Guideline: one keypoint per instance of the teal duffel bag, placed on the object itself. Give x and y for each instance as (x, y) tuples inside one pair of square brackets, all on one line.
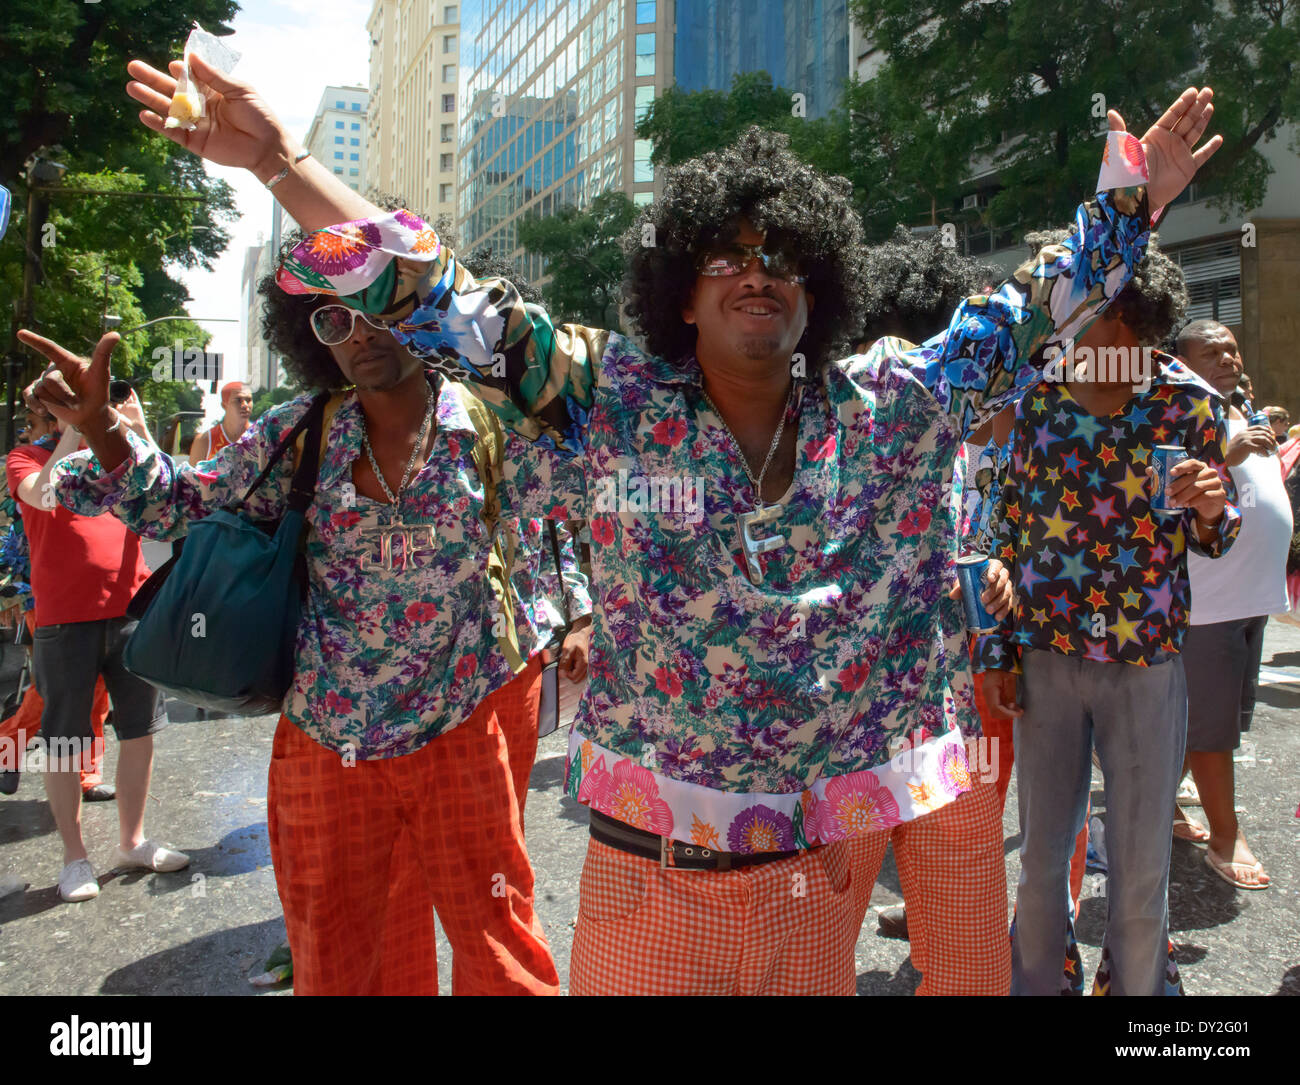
[(218, 622)]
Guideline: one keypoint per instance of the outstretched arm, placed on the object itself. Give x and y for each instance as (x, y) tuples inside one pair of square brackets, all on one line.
[(995, 346)]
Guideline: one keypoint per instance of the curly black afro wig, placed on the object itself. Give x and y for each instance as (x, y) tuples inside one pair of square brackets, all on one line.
[(285, 321), (757, 178), (915, 283), (1153, 302)]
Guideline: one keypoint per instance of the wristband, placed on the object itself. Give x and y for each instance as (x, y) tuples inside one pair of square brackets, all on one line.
[(285, 172)]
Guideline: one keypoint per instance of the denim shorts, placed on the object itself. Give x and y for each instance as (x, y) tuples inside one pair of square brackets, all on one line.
[(66, 660)]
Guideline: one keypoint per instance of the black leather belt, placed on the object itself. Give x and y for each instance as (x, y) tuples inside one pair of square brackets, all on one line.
[(674, 854)]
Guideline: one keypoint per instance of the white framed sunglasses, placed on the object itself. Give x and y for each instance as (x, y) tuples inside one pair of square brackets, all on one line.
[(333, 324)]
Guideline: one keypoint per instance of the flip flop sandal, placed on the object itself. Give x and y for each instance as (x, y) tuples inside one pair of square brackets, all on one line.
[(1189, 829), (1221, 869)]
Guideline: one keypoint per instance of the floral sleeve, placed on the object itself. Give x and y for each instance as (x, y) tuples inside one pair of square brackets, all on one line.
[(158, 497)]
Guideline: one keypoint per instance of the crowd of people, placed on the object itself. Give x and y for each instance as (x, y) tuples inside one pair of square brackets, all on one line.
[(780, 684)]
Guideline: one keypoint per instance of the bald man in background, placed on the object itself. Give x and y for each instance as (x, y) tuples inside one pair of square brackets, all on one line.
[(237, 401)]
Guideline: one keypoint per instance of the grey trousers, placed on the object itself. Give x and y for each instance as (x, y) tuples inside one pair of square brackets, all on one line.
[(1137, 718)]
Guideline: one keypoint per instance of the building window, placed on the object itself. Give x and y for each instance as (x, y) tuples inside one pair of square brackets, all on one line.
[(447, 136), (355, 157), (449, 43), (449, 13), (645, 11), (338, 124), (444, 161), (444, 193), (340, 105), (1213, 273), (353, 173), (338, 140), (338, 155), (643, 198), (449, 103), (644, 96), (643, 171), (338, 170), (356, 127), (449, 73), (355, 142), (356, 107), (645, 54)]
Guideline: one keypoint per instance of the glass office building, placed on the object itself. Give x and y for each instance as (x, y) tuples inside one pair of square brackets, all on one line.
[(550, 92), (802, 44)]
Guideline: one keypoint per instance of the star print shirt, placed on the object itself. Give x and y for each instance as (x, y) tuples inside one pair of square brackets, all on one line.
[(825, 700), (1098, 572), (386, 658)]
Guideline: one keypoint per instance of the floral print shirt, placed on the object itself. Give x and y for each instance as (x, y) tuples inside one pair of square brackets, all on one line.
[(386, 659), (827, 700), (1098, 572), (541, 595)]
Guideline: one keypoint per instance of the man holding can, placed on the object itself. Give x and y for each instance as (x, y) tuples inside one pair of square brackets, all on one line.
[(1101, 613)]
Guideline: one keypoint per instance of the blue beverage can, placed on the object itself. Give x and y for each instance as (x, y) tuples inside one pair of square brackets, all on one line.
[(1260, 418), (971, 571), (1164, 459)]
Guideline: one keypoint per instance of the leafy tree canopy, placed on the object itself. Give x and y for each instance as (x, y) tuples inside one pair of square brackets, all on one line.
[(584, 258)]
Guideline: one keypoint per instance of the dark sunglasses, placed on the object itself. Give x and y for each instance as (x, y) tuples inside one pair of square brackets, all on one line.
[(732, 259), (333, 324)]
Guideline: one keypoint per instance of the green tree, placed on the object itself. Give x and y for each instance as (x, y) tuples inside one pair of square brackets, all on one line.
[(63, 70), (1016, 93), (583, 257), (62, 73), (267, 398)]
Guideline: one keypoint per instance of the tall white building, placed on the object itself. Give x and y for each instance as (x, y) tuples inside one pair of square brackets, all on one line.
[(414, 103), (337, 137)]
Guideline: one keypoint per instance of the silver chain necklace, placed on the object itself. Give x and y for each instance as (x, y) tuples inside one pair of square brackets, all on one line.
[(415, 450), (750, 546)]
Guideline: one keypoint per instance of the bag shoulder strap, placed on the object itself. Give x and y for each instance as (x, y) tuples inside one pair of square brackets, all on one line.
[(304, 477), (332, 406), (488, 454)]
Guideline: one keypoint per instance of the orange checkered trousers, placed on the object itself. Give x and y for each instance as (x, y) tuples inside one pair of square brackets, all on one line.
[(782, 928), (364, 853)]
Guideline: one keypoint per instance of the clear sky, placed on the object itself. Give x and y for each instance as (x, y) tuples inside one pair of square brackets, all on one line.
[(291, 50)]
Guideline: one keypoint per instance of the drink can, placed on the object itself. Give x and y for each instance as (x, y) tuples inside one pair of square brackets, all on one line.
[(1260, 418), (1164, 458), (971, 571)]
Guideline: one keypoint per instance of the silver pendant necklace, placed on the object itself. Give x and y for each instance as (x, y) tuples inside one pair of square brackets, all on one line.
[(411, 534), (750, 546)]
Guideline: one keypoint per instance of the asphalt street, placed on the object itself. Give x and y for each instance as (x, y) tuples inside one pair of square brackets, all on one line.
[(206, 930)]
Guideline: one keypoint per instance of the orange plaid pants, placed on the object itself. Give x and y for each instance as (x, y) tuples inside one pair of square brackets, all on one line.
[(364, 853), (519, 725), (27, 720), (954, 881), (783, 928)]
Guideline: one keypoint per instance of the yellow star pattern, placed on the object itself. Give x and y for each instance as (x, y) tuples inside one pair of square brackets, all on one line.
[(1133, 486), (1124, 631), (1057, 526)]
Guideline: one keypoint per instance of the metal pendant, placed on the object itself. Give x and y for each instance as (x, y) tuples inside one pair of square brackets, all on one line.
[(413, 536), (750, 546)]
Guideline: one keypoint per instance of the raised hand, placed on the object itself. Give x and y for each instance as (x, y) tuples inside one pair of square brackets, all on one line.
[(1170, 144), (238, 129), (74, 390)]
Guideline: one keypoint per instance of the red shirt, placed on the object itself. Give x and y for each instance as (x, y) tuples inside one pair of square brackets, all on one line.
[(84, 568)]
